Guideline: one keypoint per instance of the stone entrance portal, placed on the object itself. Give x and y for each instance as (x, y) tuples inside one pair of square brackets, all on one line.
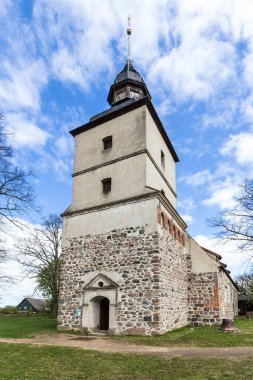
[(99, 303)]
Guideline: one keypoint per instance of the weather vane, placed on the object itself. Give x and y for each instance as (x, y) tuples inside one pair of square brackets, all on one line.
[(129, 32)]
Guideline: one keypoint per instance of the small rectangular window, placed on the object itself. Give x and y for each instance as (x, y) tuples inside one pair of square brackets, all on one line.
[(162, 159), (107, 185), (107, 141)]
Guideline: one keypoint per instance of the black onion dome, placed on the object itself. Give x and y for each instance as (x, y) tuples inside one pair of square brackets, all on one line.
[(128, 72), (127, 84)]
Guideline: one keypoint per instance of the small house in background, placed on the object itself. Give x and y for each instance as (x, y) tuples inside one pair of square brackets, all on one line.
[(32, 305)]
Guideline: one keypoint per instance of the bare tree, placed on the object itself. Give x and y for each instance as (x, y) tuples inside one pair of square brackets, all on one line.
[(40, 254), (16, 193), (236, 224)]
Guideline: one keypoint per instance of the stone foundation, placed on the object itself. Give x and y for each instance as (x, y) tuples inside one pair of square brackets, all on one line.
[(130, 252), (204, 300), (147, 278)]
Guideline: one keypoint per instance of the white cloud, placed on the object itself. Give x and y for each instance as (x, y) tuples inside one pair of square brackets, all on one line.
[(187, 204), (198, 179), (188, 219), (223, 193), (239, 146), (205, 71), (185, 47), (5, 6), (236, 260), (221, 186), (64, 145), (78, 42), (25, 132), (21, 84)]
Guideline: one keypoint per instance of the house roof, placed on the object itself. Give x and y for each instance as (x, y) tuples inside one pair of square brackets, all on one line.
[(222, 266), (37, 303), (121, 109)]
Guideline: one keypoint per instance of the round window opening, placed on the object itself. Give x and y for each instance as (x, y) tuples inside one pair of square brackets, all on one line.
[(100, 284)]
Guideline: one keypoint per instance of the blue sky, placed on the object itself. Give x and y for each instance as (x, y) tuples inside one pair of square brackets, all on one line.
[(59, 58)]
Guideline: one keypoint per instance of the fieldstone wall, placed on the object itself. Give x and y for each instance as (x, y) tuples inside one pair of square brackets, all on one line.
[(228, 297), (132, 253), (158, 291), (173, 282), (204, 299)]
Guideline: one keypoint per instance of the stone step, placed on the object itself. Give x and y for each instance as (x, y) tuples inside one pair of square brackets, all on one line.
[(98, 333)]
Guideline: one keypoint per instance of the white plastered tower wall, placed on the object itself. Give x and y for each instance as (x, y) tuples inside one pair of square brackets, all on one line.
[(134, 161)]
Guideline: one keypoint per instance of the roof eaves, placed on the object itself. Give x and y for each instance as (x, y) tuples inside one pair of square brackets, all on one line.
[(227, 272), (212, 253), (129, 107)]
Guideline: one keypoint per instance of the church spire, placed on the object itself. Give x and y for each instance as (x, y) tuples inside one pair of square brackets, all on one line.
[(129, 33), (128, 84)]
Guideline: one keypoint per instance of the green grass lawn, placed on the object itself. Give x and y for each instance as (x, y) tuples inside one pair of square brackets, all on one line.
[(39, 363), (23, 327), (26, 362), (204, 336)]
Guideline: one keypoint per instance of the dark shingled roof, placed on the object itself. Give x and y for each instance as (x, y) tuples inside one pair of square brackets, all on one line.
[(128, 72), (113, 109)]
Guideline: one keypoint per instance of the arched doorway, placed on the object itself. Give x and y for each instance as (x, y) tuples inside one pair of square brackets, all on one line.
[(99, 313), (104, 314)]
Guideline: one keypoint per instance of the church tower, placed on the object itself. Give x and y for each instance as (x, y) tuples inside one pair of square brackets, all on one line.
[(125, 257), (114, 271)]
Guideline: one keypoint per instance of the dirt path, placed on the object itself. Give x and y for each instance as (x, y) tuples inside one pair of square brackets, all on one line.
[(109, 345)]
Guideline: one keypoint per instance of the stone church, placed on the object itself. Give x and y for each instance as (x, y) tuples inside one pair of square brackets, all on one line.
[(128, 264)]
